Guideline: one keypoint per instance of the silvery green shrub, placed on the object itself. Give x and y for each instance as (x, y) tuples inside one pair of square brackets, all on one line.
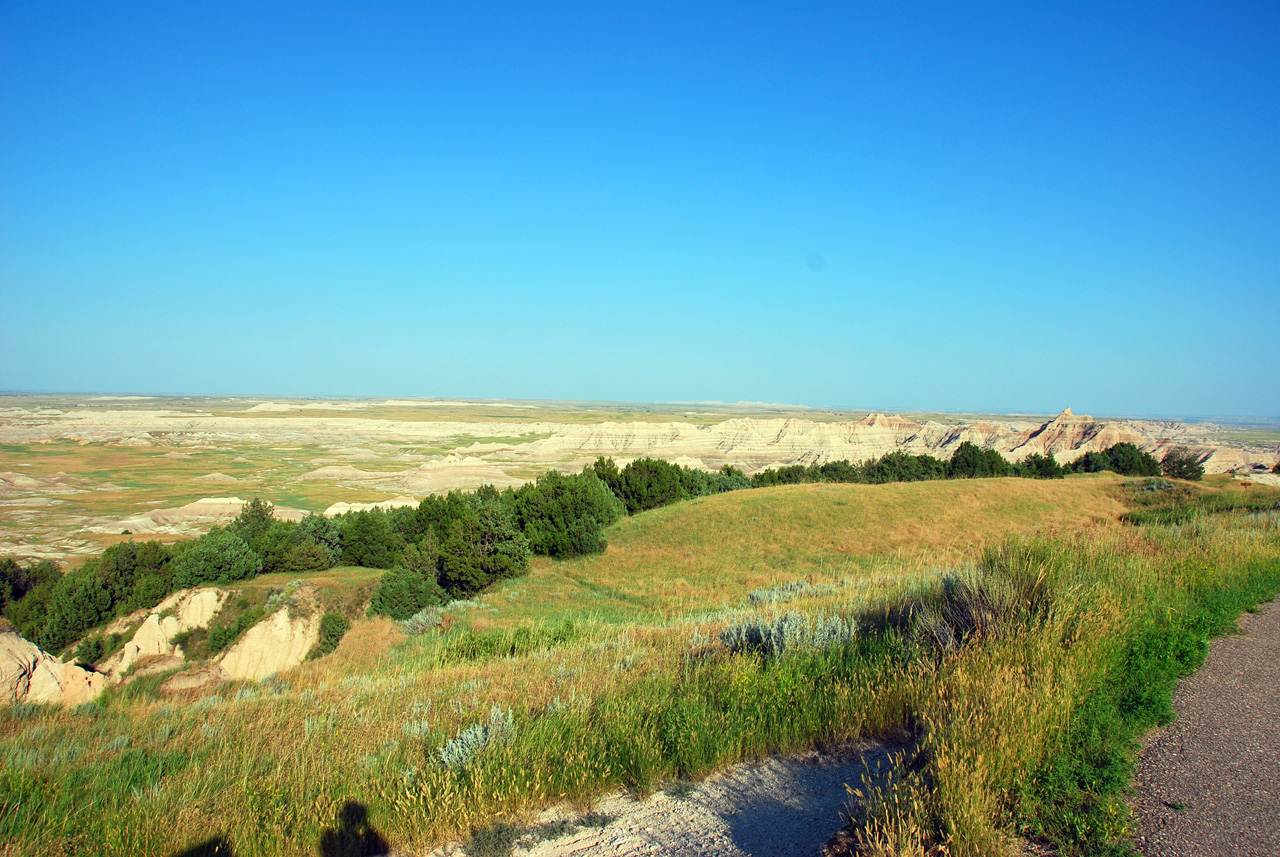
[(421, 622), (788, 633), (458, 752), (779, 594)]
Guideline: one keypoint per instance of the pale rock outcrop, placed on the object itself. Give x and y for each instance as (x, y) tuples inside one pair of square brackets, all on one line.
[(341, 508), (187, 681), (1067, 437), (216, 477), (193, 608), (30, 674), (442, 474), (186, 610), (274, 645), (190, 518)]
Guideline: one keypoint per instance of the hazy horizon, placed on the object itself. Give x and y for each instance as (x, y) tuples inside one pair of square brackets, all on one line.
[(127, 395)]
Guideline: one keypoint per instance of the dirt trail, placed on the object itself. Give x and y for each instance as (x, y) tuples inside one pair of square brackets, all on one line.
[(785, 806), (1209, 784)]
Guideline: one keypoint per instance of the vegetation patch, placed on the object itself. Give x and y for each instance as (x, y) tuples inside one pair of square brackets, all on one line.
[(1012, 670), (333, 626), (508, 643)]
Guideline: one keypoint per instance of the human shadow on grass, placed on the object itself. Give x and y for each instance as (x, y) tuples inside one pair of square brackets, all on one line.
[(354, 836)]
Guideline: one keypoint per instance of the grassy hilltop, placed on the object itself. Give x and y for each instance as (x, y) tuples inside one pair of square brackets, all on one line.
[(1021, 631)]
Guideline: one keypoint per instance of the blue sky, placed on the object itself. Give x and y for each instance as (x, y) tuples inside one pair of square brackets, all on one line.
[(960, 207)]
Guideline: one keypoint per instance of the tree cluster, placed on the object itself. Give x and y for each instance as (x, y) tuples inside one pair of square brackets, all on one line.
[(969, 461), (1122, 458), (648, 483), (456, 545)]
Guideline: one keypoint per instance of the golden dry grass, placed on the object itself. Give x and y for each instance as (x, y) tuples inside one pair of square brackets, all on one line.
[(695, 555)]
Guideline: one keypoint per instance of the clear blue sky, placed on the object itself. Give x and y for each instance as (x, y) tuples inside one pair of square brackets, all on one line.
[(1017, 206)]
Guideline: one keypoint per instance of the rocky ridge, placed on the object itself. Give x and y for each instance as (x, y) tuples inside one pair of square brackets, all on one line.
[(279, 642), (748, 442)]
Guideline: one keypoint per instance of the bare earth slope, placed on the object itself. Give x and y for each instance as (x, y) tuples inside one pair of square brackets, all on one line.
[(1209, 784)]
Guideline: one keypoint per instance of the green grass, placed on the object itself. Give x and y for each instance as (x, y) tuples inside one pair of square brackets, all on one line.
[(621, 681), (1205, 505)]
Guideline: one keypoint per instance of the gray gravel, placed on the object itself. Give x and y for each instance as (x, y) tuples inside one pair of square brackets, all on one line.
[(784, 806), (1209, 783)]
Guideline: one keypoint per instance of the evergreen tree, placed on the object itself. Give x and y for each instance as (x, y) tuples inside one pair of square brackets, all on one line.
[(219, 556), (1182, 463)]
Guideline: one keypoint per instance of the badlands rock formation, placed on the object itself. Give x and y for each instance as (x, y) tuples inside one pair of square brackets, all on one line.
[(191, 518), (30, 674), (347, 455), (182, 611), (275, 644), (482, 453), (393, 503)]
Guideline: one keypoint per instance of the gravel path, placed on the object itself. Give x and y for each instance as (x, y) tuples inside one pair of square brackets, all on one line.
[(779, 807), (1209, 783), (786, 806)]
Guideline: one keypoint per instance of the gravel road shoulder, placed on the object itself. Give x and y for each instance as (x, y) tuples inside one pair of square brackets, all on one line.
[(1209, 783)]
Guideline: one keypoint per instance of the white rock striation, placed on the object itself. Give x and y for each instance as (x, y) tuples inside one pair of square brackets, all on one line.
[(30, 674)]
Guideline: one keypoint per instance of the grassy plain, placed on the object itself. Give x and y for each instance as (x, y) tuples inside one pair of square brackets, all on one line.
[(616, 678)]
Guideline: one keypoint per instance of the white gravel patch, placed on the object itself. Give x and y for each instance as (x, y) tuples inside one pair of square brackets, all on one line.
[(784, 806)]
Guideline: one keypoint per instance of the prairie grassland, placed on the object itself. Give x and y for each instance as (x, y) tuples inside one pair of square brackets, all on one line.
[(712, 552), (587, 677)]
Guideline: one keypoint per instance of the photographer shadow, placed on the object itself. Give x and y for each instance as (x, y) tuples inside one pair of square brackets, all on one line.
[(353, 837)]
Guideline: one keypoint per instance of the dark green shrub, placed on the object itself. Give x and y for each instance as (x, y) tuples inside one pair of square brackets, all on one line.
[(649, 483), (424, 556), (368, 539), (219, 556), (1123, 458), (1037, 466), (971, 461), (403, 591), (224, 634), (255, 518), (792, 474), (90, 651), (894, 466), (484, 544), (607, 471), (307, 556), (703, 483), (565, 514), (1182, 463), (1128, 460), (332, 628), (25, 591), (78, 602), (273, 545), (24, 578), (322, 531)]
